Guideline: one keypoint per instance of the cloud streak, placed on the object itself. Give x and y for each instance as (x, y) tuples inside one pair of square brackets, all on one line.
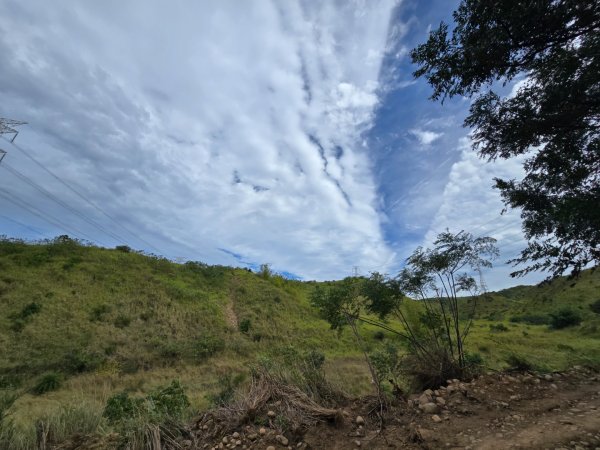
[(204, 127)]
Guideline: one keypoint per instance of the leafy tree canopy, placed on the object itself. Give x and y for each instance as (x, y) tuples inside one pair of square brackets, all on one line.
[(553, 48)]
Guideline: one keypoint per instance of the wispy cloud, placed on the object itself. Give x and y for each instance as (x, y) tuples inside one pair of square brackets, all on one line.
[(425, 137), (230, 125)]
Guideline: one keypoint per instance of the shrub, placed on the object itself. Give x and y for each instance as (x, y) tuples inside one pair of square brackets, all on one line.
[(500, 327), (123, 248), (98, 312), (563, 318), (531, 319), (79, 361), (518, 363), (120, 407), (227, 384), (48, 382), (595, 307), (379, 335), (164, 403), (122, 321), (170, 401), (474, 361), (206, 346), (245, 325), (30, 310)]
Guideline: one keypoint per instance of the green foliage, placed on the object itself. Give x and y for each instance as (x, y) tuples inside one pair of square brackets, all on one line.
[(20, 319), (563, 318), (169, 402), (206, 345), (121, 407), (595, 306), (519, 363), (553, 48), (122, 321), (79, 361), (386, 361), (226, 387), (498, 327), (245, 325), (379, 335), (47, 383), (531, 319), (123, 248), (99, 312)]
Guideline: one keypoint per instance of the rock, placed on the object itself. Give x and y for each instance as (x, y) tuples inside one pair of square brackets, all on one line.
[(359, 420), (225, 440), (238, 443), (357, 443), (282, 439), (270, 447), (440, 401), (253, 436), (428, 392), (548, 377), (271, 414), (424, 399), (236, 435), (553, 386), (262, 431), (429, 408), (436, 418)]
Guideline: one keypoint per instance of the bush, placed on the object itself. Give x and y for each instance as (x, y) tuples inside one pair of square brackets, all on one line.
[(206, 346), (123, 248), (227, 384), (245, 325), (379, 335), (120, 407), (531, 319), (122, 321), (49, 382), (170, 401), (518, 363), (563, 318), (79, 361), (500, 327), (595, 307), (98, 312)]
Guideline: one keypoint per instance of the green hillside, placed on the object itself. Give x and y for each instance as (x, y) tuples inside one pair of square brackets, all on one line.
[(100, 321)]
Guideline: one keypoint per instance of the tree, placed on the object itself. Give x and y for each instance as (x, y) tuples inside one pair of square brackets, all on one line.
[(553, 49), (436, 277)]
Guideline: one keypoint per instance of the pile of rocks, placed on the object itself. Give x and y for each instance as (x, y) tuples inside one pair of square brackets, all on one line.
[(249, 438), (436, 402)]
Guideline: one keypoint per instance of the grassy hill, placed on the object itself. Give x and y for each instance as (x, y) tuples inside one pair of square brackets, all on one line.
[(99, 321)]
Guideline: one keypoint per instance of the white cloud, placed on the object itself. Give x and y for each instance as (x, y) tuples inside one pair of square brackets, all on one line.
[(230, 125), (425, 137), (470, 203)]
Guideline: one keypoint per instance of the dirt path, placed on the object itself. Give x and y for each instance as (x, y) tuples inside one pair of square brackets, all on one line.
[(495, 411)]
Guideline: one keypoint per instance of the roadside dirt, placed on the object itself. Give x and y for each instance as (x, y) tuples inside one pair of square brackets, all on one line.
[(494, 411)]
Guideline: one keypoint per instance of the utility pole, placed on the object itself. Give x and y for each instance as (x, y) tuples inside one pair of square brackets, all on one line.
[(6, 127), (355, 271)]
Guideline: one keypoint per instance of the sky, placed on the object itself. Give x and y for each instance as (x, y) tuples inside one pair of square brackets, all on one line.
[(289, 133)]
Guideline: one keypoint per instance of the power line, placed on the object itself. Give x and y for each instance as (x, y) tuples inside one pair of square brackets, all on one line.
[(83, 197), (21, 224), (65, 205), (10, 197)]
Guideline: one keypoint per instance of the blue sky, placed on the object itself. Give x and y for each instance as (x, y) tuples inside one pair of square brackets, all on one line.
[(289, 133)]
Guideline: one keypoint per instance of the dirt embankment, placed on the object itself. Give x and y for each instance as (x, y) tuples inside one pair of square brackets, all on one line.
[(494, 411)]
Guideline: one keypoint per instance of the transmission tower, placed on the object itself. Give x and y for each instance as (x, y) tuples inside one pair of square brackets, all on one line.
[(482, 285), (355, 271), (6, 127)]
